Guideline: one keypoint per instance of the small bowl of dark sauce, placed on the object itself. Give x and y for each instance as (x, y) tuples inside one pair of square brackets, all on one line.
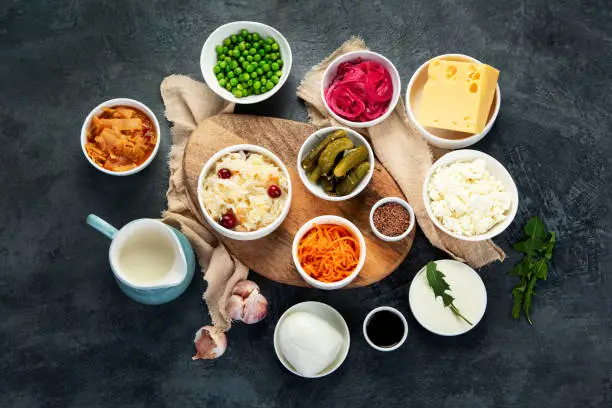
[(385, 328)]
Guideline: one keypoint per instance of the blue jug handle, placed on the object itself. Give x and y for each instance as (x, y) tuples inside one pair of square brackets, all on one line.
[(102, 226)]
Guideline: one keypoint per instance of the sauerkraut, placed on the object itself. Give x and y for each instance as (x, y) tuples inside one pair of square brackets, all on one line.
[(245, 193)]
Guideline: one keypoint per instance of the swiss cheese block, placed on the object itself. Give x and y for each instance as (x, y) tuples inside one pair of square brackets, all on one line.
[(457, 95)]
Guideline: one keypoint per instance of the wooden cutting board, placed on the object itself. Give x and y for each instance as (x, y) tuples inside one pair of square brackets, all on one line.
[(271, 256)]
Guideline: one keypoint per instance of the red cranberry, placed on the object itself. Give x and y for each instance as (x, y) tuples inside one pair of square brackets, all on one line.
[(274, 191), (225, 173), (228, 221)]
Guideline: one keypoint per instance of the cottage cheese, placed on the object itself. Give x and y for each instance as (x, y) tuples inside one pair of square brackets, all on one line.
[(466, 198)]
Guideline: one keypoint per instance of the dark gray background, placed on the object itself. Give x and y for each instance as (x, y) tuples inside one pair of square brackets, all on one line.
[(70, 338)]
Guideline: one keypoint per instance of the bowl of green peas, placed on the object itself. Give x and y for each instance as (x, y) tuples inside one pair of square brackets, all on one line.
[(245, 62)]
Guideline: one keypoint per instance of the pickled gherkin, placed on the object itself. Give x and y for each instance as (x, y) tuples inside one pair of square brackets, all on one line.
[(314, 175), (327, 159), (327, 184), (351, 159), (310, 161), (348, 183)]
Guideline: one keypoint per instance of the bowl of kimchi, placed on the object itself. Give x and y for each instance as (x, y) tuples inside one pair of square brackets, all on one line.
[(120, 137)]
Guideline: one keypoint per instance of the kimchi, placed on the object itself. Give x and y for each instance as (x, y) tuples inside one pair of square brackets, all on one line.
[(120, 138)]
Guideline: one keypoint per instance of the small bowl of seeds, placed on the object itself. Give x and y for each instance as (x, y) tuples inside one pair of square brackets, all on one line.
[(391, 219)]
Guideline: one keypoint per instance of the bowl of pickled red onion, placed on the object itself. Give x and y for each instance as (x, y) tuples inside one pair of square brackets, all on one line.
[(360, 88)]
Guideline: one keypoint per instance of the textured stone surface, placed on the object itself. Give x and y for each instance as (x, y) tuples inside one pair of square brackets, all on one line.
[(70, 338)]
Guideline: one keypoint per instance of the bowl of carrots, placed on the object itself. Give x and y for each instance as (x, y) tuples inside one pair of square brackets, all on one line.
[(329, 252)]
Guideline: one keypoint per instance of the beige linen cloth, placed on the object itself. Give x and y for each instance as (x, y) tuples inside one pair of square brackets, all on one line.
[(396, 143)]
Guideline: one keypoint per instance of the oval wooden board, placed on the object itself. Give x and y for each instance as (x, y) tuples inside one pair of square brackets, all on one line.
[(271, 256)]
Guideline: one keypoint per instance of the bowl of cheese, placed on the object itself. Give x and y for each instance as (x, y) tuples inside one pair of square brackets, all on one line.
[(470, 195), (453, 100), (244, 192)]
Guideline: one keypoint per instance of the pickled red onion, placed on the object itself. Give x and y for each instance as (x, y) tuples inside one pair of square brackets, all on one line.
[(361, 91)]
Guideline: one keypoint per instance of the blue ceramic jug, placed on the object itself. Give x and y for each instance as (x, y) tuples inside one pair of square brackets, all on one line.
[(179, 264)]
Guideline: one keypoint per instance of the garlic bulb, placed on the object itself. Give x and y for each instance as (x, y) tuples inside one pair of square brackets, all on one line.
[(209, 343), (247, 304)]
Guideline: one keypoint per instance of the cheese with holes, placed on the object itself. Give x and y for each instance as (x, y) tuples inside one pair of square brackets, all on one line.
[(457, 95)]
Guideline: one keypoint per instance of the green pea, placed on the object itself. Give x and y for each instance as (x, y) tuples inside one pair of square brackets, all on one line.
[(267, 48), (250, 37), (245, 92), (220, 75), (244, 65), (243, 85), (217, 69), (236, 53), (263, 80), (227, 41), (240, 38), (241, 46), (256, 85), (261, 52), (241, 59), (255, 37), (266, 68), (270, 40), (274, 57), (230, 74), (275, 47), (219, 49), (269, 74), (249, 58), (225, 50), (259, 71), (250, 82), (227, 69), (269, 85), (238, 71), (254, 74), (252, 51), (234, 38), (234, 64), (245, 76), (234, 81), (244, 32), (274, 66), (221, 65), (239, 86), (250, 68), (256, 45), (256, 57), (223, 82), (237, 93), (228, 86), (274, 79)]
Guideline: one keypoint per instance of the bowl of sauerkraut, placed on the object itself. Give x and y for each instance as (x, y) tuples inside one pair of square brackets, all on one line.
[(244, 192)]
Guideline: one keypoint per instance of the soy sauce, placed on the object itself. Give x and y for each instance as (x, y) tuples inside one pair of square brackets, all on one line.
[(385, 329)]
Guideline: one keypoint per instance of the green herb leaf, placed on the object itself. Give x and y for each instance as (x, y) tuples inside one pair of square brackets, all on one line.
[(538, 248), (438, 284)]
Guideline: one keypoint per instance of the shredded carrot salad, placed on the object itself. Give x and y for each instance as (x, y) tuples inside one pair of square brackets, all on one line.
[(328, 252)]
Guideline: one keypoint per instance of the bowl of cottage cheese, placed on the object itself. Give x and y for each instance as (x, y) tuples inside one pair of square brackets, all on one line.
[(470, 195)]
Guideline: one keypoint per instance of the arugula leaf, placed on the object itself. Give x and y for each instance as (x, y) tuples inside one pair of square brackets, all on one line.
[(436, 281), (538, 248)]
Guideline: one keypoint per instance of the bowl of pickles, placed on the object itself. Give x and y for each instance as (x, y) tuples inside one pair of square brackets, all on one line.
[(335, 163)]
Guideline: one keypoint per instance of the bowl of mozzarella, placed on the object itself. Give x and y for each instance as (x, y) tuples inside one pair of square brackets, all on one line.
[(244, 192), (470, 195)]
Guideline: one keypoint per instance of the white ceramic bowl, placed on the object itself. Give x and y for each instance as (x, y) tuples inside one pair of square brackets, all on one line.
[(331, 316), (208, 58), (330, 74), (394, 311), (329, 219), (124, 102), (496, 169), (399, 201), (310, 144), (445, 139), (238, 235), (466, 274)]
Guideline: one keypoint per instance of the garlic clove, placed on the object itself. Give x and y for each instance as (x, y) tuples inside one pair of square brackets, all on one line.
[(255, 308), (209, 343), (244, 288), (235, 307)]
